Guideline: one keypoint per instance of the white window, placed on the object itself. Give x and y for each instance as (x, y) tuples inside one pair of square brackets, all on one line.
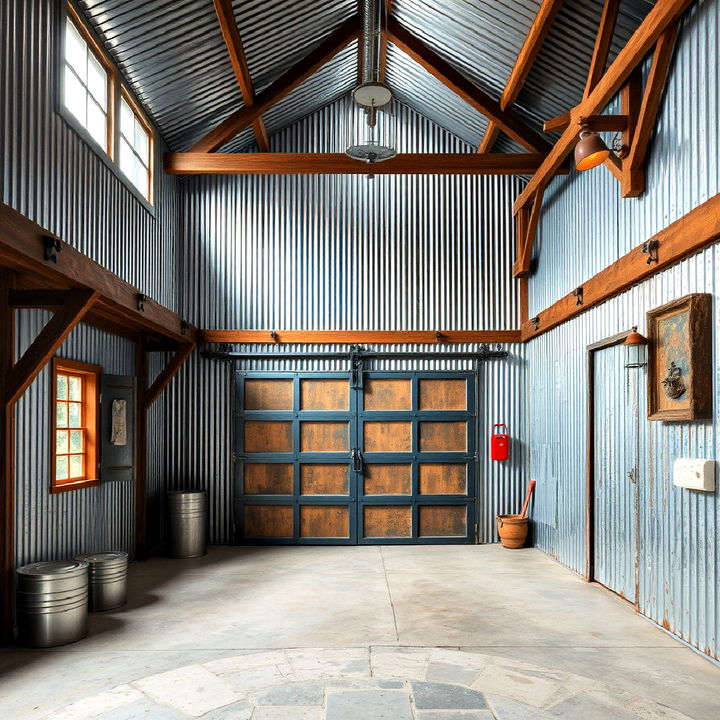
[(135, 148), (86, 85)]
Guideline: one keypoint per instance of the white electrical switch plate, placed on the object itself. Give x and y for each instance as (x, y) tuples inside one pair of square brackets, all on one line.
[(694, 474)]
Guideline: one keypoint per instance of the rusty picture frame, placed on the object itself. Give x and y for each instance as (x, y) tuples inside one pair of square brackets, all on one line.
[(680, 359)]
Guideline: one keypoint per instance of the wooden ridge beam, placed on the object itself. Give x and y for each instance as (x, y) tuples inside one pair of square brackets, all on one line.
[(277, 90), (236, 51), (660, 17), (523, 64), (603, 42), (368, 337), (686, 236), (51, 337), (339, 163), (461, 86), (167, 374), (23, 250)]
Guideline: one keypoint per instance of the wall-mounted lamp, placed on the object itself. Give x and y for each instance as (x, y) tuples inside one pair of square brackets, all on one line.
[(635, 350), (590, 150)]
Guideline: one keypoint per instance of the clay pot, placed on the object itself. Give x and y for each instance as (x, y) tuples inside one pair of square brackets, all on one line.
[(513, 530)]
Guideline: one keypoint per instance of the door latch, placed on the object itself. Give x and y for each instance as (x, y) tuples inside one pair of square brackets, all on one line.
[(357, 460)]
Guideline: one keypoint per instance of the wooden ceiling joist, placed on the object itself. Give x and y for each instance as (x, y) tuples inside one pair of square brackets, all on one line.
[(526, 57), (277, 90), (461, 86), (26, 248), (341, 164), (598, 123), (603, 42), (662, 16)]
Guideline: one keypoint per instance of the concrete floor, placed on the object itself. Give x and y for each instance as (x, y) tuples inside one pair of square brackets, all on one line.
[(326, 633)]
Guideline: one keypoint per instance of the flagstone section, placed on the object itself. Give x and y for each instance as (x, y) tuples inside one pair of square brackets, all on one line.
[(373, 683)]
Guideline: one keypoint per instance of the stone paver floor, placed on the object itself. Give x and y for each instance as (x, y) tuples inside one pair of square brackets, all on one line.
[(376, 683)]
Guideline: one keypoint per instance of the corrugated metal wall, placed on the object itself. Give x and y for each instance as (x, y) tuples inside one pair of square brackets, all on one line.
[(585, 227), (342, 252), (50, 174)]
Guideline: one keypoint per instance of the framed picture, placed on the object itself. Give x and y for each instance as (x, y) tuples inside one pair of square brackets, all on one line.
[(680, 359)]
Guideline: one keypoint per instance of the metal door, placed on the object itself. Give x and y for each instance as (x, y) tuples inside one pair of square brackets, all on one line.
[(318, 461), (617, 402)]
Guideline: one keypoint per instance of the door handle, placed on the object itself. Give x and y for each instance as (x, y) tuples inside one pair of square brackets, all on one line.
[(357, 460)]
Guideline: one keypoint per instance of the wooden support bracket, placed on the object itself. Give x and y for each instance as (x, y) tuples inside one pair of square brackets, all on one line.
[(168, 373), (527, 224)]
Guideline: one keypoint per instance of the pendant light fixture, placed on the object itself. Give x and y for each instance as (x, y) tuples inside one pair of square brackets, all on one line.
[(372, 124), (590, 150)]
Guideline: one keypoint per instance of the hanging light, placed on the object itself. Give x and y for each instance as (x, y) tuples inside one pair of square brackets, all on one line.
[(372, 123), (635, 349), (590, 150)]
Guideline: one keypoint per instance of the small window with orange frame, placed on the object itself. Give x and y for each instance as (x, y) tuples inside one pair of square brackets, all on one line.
[(75, 425)]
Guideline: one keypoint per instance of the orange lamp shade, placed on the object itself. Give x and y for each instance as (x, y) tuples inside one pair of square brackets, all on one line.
[(590, 150)]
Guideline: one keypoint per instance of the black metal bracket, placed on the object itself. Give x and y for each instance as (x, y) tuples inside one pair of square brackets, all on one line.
[(357, 460), (274, 336), (141, 300), (536, 322), (650, 248), (357, 365), (52, 247), (578, 293), (184, 327)]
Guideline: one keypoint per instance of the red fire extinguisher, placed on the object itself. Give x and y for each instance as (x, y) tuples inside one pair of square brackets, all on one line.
[(499, 443)]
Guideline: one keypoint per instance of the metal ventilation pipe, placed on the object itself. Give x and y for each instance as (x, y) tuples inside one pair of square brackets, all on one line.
[(372, 21)]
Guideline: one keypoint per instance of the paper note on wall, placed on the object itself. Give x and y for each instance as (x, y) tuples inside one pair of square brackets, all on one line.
[(118, 433)]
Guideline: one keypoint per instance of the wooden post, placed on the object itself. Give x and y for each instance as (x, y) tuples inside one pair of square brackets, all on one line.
[(7, 462), (141, 451)]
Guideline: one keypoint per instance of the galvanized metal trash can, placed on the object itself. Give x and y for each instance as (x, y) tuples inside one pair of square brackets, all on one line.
[(187, 511), (107, 576), (52, 603)]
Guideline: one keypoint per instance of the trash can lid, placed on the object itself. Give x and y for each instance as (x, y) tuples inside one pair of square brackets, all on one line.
[(104, 556), (53, 567)]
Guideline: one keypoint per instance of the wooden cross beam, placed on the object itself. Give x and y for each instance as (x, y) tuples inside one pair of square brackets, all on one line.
[(277, 90), (461, 86), (663, 15), (526, 58), (233, 42)]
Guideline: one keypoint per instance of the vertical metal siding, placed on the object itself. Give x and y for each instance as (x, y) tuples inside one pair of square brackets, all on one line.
[(53, 527), (49, 173), (343, 252)]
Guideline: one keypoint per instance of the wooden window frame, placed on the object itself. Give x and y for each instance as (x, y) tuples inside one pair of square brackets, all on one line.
[(100, 55), (142, 119), (91, 375)]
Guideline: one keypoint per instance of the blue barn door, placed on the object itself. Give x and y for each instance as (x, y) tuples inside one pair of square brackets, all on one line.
[(618, 404)]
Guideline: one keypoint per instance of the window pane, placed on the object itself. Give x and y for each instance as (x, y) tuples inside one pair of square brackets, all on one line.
[(61, 442), (126, 158), (75, 414), (75, 388), (141, 178), (127, 121), (97, 123), (97, 81), (61, 467), (75, 96), (61, 415), (142, 143), (76, 438), (62, 387), (75, 49), (76, 466)]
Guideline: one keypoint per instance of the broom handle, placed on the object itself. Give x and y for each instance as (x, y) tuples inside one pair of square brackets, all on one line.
[(531, 487)]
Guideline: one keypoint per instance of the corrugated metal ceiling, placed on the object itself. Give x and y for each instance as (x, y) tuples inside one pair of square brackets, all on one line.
[(174, 57)]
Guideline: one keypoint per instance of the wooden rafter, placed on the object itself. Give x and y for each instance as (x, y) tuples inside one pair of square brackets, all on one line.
[(603, 42), (233, 42), (277, 90), (461, 86), (526, 57), (339, 163), (664, 14), (382, 70), (368, 337), (647, 113)]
